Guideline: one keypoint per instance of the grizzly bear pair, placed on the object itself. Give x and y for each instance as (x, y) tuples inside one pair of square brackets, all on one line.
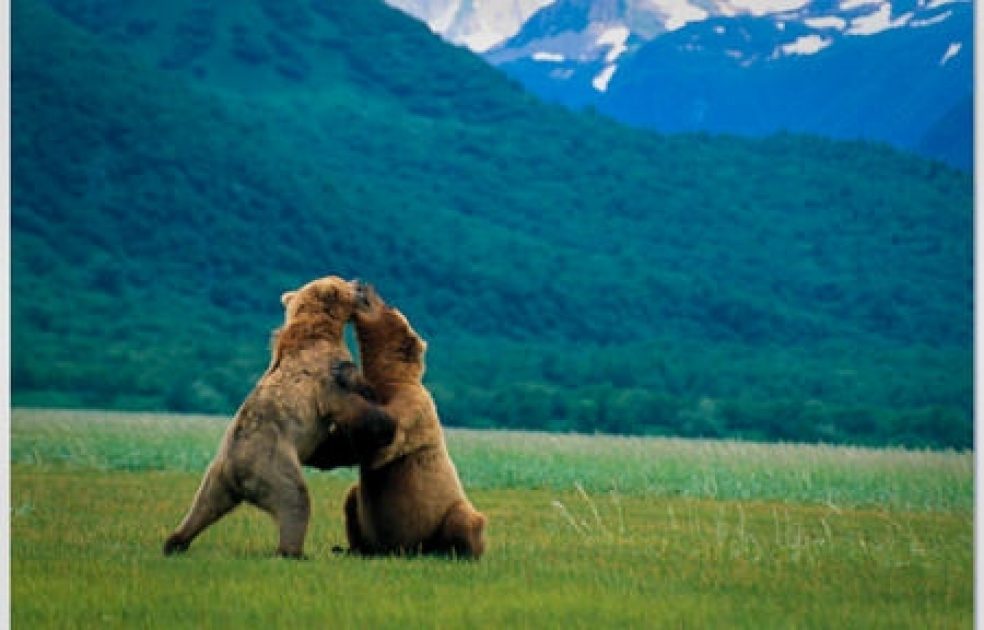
[(311, 407)]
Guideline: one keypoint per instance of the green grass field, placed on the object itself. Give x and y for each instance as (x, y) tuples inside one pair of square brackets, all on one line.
[(584, 532)]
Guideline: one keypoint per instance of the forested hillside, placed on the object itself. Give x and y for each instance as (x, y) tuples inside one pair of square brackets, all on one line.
[(177, 165)]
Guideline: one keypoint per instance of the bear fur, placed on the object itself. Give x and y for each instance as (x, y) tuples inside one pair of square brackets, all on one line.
[(408, 498), (295, 415)]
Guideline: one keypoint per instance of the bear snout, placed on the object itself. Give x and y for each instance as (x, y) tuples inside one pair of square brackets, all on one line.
[(365, 293)]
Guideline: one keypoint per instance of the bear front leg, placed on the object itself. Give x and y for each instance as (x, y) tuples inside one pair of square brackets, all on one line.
[(353, 526), (349, 378), (368, 425), (212, 501), (359, 431), (365, 426), (372, 430)]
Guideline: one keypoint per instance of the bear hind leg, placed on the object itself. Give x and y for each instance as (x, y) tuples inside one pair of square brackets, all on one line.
[(462, 532), (292, 510), (285, 496), (212, 501)]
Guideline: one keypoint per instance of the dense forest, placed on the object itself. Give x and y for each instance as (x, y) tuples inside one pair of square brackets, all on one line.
[(177, 165)]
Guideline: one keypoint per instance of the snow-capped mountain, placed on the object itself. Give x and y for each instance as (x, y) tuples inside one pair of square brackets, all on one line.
[(477, 25), (899, 71), (601, 31)]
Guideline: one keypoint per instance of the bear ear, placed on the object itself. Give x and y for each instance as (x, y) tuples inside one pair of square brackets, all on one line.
[(286, 297)]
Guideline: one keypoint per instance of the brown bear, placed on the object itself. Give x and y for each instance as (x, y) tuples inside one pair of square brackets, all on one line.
[(295, 415), (408, 498)]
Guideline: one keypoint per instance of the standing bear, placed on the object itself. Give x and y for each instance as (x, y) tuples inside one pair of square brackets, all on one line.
[(295, 415), (408, 498)]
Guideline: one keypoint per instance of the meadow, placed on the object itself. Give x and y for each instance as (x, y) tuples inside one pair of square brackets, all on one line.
[(585, 531)]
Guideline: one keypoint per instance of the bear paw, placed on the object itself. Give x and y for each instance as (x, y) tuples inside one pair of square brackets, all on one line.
[(346, 374), (174, 545)]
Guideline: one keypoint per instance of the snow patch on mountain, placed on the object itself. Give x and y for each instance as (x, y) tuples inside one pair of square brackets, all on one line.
[(850, 5), (601, 80), (614, 37), (935, 4), (880, 20), (826, 22), (936, 19), (675, 13), (952, 51), (805, 45), (758, 8), (437, 14), (477, 25)]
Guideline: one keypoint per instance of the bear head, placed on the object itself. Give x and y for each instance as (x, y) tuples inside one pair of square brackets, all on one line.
[(331, 296), (391, 350)]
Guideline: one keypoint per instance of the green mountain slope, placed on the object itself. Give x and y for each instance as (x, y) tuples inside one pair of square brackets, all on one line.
[(177, 165)]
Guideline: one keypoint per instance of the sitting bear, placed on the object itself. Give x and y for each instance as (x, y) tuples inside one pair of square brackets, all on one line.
[(295, 415), (408, 498)]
